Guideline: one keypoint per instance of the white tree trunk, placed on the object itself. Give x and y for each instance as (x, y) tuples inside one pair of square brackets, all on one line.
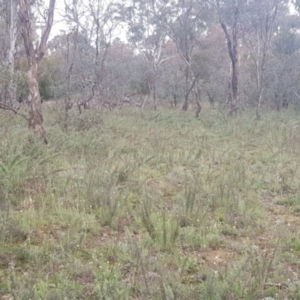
[(34, 55), (11, 52)]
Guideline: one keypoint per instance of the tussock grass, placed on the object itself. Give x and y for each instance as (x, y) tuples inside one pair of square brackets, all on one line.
[(160, 205)]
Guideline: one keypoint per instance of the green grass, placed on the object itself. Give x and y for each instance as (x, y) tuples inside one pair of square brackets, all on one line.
[(160, 205)]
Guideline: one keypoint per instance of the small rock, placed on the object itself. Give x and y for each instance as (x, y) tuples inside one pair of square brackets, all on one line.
[(152, 275)]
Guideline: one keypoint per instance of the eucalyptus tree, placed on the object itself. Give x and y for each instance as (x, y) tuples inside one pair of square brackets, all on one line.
[(35, 45), (229, 15), (8, 36), (282, 74), (122, 67), (184, 22), (171, 85), (258, 28), (283, 67), (72, 57), (149, 38), (211, 62), (287, 39), (96, 22)]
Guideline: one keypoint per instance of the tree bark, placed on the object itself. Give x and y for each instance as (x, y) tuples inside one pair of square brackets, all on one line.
[(11, 53), (258, 106), (199, 107), (34, 53), (232, 45), (187, 89), (258, 40), (186, 103), (34, 104)]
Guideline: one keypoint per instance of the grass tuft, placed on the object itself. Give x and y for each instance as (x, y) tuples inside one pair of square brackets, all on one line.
[(157, 205)]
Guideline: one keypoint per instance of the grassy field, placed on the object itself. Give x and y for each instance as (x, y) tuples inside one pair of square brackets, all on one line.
[(160, 205)]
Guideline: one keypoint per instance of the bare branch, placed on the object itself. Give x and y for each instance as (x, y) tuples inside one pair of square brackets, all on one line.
[(5, 106), (46, 31)]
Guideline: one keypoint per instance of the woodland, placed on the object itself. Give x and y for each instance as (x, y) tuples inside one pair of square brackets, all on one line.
[(234, 54), (150, 149)]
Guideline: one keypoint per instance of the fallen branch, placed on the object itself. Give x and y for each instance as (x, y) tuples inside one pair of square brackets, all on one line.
[(280, 286), (15, 111)]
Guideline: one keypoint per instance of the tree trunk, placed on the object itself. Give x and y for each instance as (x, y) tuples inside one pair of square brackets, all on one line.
[(34, 52), (232, 45), (199, 108), (260, 85), (34, 104), (187, 90), (285, 101), (258, 107), (234, 89), (11, 53), (154, 95), (186, 103)]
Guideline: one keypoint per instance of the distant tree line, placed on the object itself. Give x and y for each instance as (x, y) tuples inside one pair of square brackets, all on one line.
[(171, 53)]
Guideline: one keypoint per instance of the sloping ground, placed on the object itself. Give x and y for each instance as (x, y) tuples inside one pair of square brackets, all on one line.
[(152, 206)]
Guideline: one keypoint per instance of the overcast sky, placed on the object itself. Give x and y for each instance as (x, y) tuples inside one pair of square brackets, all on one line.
[(59, 25)]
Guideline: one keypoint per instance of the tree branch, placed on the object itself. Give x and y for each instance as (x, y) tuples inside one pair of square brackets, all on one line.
[(46, 32), (15, 111)]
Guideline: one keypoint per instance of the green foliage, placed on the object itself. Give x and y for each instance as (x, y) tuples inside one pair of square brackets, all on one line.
[(45, 88), (159, 206)]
